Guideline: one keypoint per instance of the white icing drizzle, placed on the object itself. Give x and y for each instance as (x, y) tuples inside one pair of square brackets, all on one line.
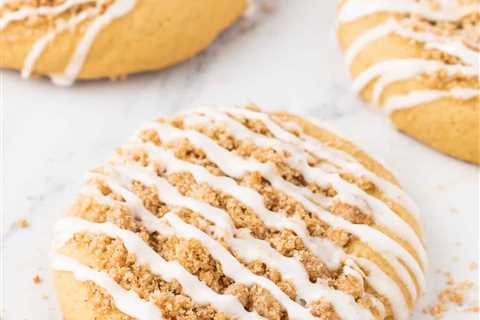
[(406, 69), (250, 248), (417, 97), (238, 167), (379, 282), (355, 9), (120, 174), (235, 270), (40, 45), (126, 301), (117, 9), (251, 198), (333, 155), (167, 270), (347, 193), (74, 67), (452, 47), (322, 247), (385, 73), (389, 71), (24, 13)]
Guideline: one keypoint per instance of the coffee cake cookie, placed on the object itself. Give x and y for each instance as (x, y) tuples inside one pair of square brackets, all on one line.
[(418, 60), (239, 214), (88, 39)]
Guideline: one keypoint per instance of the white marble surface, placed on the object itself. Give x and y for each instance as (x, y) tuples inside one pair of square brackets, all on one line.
[(287, 59)]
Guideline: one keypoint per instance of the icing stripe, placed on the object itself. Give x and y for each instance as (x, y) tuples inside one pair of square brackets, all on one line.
[(167, 270), (355, 9), (168, 194), (454, 48), (248, 247), (379, 282), (237, 167), (252, 249), (415, 98), (411, 68), (40, 45), (347, 193), (233, 269), (390, 71), (396, 69), (127, 302), (24, 13), (321, 247), (319, 150), (118, 9)]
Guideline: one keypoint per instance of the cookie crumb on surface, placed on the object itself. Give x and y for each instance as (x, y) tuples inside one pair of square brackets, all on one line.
[(453, 294), (267, 7), (475, 309), (23, 223), (37, 279)]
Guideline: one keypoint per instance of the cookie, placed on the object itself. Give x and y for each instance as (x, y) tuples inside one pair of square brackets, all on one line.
[(239, 214), (419, 62), (90, 39)]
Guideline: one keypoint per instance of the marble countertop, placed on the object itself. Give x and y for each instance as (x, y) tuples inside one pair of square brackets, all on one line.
[(284, 59)]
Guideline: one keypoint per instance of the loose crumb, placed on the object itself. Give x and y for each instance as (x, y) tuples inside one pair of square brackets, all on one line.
[(37, 279), (453, 294), (475, 309), (44, 296), (267, 7), (23, 223), (473, 265)]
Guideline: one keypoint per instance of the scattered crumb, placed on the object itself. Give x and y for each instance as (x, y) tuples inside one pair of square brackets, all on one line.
[(453, 210), (37, 279), (450, 280), (44, 296), (453, 294), (456, 259), (267, 7), (473, 265), (475, 309), (23, 223)]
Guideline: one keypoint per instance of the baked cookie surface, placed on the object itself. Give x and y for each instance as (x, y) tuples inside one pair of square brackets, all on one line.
[(89, 39), (239, 214), (419, 62)]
